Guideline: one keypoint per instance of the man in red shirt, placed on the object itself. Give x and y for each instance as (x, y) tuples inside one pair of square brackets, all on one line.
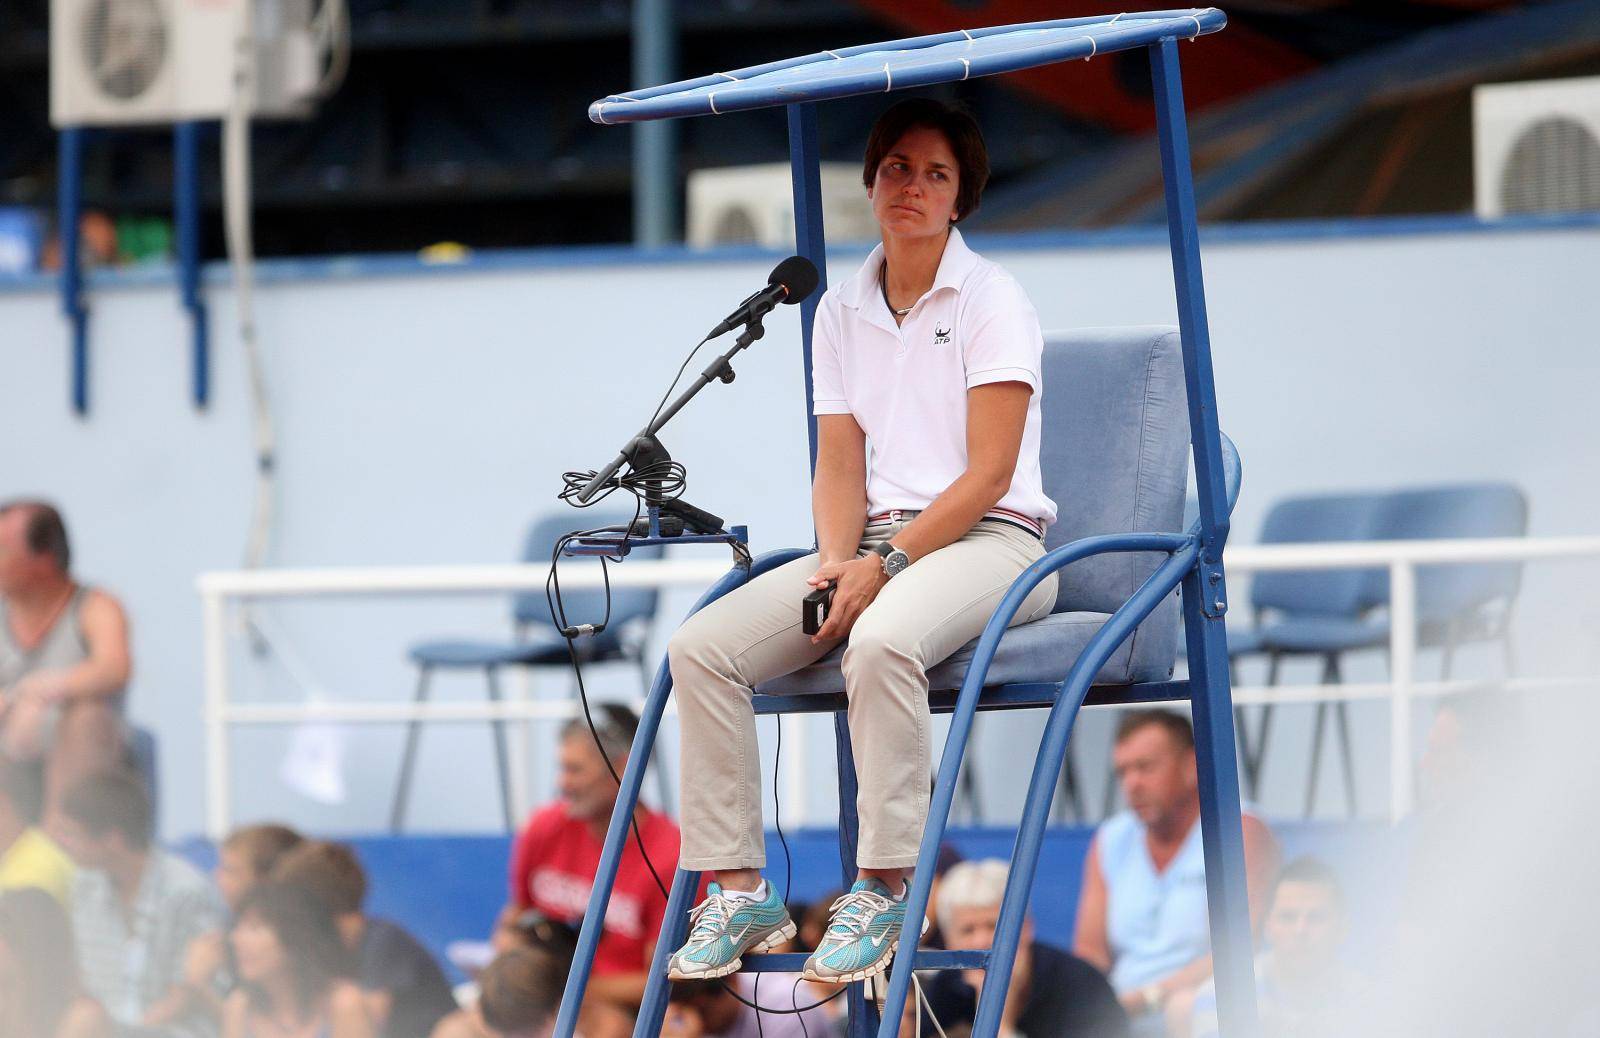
[(557, 854)]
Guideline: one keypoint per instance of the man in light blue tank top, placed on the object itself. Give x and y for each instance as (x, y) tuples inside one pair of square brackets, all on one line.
[(64, 659), (1142, 913)]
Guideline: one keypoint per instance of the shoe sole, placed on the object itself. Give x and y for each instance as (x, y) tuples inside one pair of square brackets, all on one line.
[(786, 932)]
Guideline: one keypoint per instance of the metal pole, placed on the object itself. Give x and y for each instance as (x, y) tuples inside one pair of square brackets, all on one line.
[(186, 211), (1204, 591), (214, 631), (810, 242), (655, 142), (69, 204), (1402, 665)]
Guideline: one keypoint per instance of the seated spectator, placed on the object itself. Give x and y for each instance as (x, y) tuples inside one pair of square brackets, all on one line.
[(1052, 992), (40, 993), (64, 659), (1142, 912), (28, 858), (406, 991), (707, 1009), (556, 856), (245, 858), (294, 971), (135, 908), (1302, 989), (519, 995)]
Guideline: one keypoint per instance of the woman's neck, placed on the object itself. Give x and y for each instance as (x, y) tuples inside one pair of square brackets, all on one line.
[(910, 265)]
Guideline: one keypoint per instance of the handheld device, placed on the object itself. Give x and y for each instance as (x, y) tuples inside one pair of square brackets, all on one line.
[(814, 608)]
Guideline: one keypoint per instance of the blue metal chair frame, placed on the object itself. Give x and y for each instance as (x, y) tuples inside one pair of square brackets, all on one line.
[(1194, 563)]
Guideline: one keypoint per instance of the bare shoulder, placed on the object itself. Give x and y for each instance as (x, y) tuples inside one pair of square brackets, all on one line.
[(101, 606), (347, 1000)]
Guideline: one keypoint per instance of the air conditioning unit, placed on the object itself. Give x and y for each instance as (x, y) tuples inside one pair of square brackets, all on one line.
[(1536, 146), (745, 205), (131, 62)]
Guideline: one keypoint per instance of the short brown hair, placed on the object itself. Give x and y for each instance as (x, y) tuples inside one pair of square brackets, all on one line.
[(521, 990), (329, 872), (46, 532), (1177, 726), (113, 801), (263, 846), (958, 127)]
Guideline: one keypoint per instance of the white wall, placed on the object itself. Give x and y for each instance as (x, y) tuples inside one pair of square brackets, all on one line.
[(424, 416)]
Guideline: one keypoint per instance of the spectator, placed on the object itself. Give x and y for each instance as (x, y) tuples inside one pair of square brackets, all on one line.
[(1302, 989), (520, 994), (557, 854), (1052, 992), (294, 971), (1142, 913), (64, 658), (244, 860), (516, 989), (135, 908), (40, 993), (406, 992), (28, 858), (707, 1009)]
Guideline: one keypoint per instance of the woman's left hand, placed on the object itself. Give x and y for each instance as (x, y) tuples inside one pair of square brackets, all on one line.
[(856, 584)]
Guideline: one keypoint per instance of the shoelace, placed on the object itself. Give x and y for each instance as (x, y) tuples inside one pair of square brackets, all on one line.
[(851, 912), (710, 917)]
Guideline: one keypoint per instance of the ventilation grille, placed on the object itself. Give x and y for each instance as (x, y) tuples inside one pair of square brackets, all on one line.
[(1536, 147), (125, 45)]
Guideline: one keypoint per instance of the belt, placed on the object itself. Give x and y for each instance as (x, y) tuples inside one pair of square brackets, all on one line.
[(998, 515)]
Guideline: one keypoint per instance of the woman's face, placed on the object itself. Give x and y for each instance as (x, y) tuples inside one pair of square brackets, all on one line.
[(914, 191), (256, 949), (234, 876)]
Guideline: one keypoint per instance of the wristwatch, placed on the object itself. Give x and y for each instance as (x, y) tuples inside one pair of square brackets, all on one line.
[(894, 560)]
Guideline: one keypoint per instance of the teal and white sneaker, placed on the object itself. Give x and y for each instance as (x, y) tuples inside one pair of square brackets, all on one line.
[(724, 928), (862, 936)]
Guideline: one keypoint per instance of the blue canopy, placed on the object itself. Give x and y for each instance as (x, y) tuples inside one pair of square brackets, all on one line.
[(900, 64)]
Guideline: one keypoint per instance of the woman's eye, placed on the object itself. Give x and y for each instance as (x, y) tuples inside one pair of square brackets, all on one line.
[(938, 175)]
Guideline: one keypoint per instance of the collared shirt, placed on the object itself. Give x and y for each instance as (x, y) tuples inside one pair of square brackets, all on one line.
[(128, 967), (906, 385), (34, 860)]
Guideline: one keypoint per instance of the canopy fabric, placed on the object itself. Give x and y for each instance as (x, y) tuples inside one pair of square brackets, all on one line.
[(902, 64)]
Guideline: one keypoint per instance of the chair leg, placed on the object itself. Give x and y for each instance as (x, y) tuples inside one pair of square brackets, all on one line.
[(1316, 758), (863, 1013), (663, 778), (408, 756), (1333, 674), (1252, 761), (1070, 795), (492, 676)]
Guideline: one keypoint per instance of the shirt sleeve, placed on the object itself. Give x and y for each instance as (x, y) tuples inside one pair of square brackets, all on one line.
[(1003, 341), (827, 373)]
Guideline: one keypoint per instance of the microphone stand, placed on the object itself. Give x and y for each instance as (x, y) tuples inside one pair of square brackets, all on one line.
[(645, 449)]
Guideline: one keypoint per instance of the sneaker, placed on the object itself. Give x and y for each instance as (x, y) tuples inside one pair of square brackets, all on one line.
[(862, 936), (724, 928)]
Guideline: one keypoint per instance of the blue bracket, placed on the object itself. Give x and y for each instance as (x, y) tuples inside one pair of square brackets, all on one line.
[(69, 206), (615, 543), (186, 214)]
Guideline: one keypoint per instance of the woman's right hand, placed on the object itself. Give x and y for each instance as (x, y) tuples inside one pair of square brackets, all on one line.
[(856, 583)]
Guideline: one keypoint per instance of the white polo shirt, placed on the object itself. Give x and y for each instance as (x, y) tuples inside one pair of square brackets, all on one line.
[(906, 385)]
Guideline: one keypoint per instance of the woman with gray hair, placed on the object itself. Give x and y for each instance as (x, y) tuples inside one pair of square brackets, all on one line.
[(1052, 992)]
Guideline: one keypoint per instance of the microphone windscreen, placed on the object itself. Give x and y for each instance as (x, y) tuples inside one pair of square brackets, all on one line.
[(798, 275)]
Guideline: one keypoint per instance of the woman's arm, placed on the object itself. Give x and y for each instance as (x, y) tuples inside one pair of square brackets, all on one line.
[(839, 488), (996, 415)]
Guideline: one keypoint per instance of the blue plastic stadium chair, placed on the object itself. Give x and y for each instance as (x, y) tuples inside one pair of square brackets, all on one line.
[(537, 643), (1310, 612), (1327, 613)]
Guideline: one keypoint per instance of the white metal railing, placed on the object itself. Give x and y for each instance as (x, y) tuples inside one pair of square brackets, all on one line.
[(218, 589)]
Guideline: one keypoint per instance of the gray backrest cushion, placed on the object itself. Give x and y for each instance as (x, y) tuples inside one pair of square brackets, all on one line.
[(1115, 458)]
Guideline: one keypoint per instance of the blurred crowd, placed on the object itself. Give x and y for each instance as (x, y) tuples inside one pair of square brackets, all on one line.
[(104, 932)]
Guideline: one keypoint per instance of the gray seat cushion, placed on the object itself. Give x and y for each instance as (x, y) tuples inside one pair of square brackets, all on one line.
[(1115, 460)]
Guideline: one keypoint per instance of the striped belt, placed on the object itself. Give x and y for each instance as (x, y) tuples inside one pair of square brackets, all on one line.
[(994, 515)]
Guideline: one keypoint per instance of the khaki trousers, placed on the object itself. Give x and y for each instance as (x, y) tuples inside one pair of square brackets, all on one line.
[(752, 634)]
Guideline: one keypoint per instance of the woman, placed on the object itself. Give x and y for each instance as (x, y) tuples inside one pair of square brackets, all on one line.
[(292, 971), (932, 355), (40, 994)]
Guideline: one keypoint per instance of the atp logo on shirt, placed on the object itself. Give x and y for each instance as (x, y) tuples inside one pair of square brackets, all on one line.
[(941, 336)]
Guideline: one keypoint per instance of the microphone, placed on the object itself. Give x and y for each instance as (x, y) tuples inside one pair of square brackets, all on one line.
[(790, 281)]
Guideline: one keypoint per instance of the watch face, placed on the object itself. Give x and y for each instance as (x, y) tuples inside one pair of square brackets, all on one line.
[(896, 561)]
